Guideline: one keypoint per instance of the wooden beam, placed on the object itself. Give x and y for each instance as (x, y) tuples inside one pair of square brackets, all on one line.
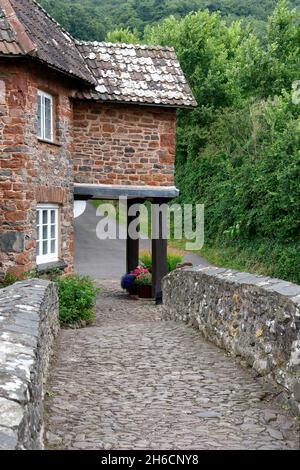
[(110, 191), (132, 246), (159, 252)]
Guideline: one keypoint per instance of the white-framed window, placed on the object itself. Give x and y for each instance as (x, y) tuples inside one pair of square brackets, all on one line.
[(47, 233), (45, 116)]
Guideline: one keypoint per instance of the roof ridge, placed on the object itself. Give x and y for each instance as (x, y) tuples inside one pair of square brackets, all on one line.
[(53, 20), (66, 33), (124, 45), (50, 44), (24, 41)]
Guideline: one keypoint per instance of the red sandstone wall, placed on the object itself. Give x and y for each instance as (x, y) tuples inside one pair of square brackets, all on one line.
[(32, 171), (123, 144), (113, 144)]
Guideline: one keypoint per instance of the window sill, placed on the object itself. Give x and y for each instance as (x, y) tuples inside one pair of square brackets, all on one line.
[(43, 268), (43, 141)]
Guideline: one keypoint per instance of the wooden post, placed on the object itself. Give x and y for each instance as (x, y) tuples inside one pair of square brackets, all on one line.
[(132, 246), (159, 250)]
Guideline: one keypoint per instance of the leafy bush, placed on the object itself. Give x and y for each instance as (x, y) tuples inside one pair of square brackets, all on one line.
[(238, 151), (146, 259), (77, 297), (51, 274), (173, 258), (77, 294)]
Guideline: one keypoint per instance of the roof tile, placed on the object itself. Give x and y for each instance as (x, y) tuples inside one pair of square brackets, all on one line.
[(51, 44), (136, 73), (13, 38), (118, 72)]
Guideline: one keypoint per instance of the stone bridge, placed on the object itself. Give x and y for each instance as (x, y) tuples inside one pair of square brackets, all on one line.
[(145, 377)]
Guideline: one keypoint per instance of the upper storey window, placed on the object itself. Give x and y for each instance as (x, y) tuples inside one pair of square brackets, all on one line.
[(45, 116)]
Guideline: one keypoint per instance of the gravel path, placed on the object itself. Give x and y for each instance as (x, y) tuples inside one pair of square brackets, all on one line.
[(133, 381)]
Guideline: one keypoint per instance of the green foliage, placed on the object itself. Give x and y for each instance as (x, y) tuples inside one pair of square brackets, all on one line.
[(77, 297), (77, 294), (144, 279), (123, 35), (51, 274), (82, 19), (261, 256), (8, 280), (248, 174), (238, 152), (93, 19), (173, 258), (146, 260)]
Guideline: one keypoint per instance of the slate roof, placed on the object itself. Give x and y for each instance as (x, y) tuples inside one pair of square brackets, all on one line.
[(118, 72), (51, 44), (13, 37), (136, 73), (8, 39)]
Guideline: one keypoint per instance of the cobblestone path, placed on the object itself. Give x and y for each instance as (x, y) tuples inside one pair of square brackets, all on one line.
[(132, 381)]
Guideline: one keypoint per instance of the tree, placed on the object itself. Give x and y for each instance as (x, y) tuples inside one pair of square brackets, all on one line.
[(238, 152), (93, 19), (123, 35)]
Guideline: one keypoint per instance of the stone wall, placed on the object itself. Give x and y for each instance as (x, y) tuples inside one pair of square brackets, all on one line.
[(254, 317), (28, 325), (123, 144), (32, 171)]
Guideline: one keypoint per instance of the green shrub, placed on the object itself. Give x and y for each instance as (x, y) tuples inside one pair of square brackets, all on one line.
[(146, 259), (144, 279), (8, 280), (173, 258), (52, 274), (77, 297), (238, 151), (266, 257)]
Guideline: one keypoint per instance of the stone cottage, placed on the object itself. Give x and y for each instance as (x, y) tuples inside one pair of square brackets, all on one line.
[(78, 120)]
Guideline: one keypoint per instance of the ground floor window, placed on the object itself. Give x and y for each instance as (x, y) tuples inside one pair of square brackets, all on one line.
[(47, 233)]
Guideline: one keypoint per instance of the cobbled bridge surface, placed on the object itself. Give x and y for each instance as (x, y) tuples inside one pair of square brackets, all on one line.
[(134, 381)]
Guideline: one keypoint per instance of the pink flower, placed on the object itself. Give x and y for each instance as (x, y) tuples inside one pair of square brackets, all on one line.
[(139, 270)]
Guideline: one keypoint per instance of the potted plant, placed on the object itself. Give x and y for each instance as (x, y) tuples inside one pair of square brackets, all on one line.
[(144, 285), (128, 280)]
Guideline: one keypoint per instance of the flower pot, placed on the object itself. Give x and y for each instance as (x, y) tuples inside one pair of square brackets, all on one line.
[(145, 292), (133, 290)]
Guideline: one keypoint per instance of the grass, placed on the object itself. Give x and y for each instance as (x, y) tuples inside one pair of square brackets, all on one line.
[(262, 257)]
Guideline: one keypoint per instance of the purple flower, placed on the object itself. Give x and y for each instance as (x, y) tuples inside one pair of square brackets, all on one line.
[(127, 281)]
